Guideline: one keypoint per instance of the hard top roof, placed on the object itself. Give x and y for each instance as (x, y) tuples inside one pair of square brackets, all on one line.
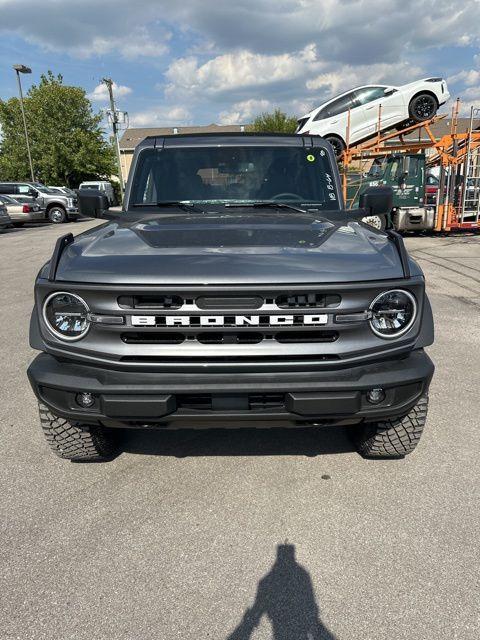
[(231, 139)]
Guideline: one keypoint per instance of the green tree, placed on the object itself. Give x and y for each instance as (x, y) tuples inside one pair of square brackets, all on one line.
[(276, 122), (66, 139)]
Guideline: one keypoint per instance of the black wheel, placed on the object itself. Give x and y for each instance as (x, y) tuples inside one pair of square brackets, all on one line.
[(423, 107), (76, 442), (337, 144), (396, 437), (57, 215), (377, 222)]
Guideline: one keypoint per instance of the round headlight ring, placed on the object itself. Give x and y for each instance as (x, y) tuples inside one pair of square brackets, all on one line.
[(400, 332), (56, 332)]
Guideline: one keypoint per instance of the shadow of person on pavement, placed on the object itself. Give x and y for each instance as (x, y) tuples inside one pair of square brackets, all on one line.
[(285, 595)]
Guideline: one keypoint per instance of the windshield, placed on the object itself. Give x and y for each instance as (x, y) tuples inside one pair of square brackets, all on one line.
[(377, 168), (7, 200), (228, 175), (43, 188)]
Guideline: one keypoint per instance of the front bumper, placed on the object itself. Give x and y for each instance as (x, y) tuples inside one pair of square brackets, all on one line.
[(149, 399), (72, 213)]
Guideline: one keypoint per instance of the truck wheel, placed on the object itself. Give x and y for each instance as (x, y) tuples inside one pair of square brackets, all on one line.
[(337, 144), (75, 442), (57, 215), (395, 437), (377, 222), (422, 107)]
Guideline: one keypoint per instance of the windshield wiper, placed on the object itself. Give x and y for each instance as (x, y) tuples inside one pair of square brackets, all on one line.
[(266, 205), (170, 203)]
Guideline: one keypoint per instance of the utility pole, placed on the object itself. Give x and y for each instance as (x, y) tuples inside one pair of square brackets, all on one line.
[(114, 118), (21, 68)]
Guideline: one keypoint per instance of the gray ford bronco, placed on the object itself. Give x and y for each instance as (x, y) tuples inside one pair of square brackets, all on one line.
[(232, 290)]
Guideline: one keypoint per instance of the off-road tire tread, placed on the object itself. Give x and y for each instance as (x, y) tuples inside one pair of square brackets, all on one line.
[(75, 442), (395, 437)]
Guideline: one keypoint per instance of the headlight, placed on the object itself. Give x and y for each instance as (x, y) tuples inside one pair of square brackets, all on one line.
[(66, 315), (393, 313)]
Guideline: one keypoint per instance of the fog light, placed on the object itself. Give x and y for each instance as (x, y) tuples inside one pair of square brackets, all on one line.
[(374, 396), (85, 399)]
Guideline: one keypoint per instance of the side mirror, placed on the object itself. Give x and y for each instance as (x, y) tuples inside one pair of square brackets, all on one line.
[(92, 203), (377, 201), (33, 193)]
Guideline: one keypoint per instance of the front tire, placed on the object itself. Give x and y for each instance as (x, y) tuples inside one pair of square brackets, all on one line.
[(394, 437), (422, 107), (71, 441), (57, 215)]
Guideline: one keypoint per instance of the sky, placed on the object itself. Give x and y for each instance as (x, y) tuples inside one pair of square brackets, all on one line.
[(197, 62)]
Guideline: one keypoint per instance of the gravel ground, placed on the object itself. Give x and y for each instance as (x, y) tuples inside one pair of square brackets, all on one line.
[(245, 534)]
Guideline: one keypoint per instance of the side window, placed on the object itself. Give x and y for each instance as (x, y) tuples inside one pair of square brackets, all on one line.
[(369, 94), (322, 114), (23, 189), (414, 167), (6, 188), (340, 105)]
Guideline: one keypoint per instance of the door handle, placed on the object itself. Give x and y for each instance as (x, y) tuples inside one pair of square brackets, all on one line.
[(333, 121)]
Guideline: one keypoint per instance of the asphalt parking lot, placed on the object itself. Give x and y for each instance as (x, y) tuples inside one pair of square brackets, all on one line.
[(193, 534)]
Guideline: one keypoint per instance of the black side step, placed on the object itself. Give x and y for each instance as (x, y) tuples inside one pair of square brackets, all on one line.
[(60, 245)]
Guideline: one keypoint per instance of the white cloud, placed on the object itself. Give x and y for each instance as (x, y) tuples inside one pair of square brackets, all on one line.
[(234, 71), (235, 55), (163, 116), (86, 28), (469, 78), (244, 112), (100, 93), (351, 31)]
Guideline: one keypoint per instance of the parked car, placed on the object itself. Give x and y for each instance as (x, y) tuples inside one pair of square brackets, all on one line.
[(414, 102), (5, 220), (232, 287), (65, 190), (57, 207), (103, 186), (22, 212)]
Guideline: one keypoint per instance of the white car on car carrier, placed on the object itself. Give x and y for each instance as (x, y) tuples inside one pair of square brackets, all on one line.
[(414, 102)]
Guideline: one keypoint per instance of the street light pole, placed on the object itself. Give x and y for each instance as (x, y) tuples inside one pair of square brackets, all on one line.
[(114, 117), (21, 68)]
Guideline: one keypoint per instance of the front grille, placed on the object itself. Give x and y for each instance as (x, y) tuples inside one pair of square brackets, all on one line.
[(146, 337), (229, 302), (245, 303), (230, 338), (290, 337), (219, 325), (238, 328), (150, 301), (307, 300), (219, 337)]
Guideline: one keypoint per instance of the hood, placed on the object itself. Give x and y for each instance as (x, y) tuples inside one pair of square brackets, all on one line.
[(199, 249)]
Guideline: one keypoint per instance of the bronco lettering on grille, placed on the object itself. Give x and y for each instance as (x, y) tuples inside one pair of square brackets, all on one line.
[(232, 321)]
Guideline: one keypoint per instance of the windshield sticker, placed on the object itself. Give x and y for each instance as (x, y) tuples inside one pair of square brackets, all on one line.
[(310, 158)]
